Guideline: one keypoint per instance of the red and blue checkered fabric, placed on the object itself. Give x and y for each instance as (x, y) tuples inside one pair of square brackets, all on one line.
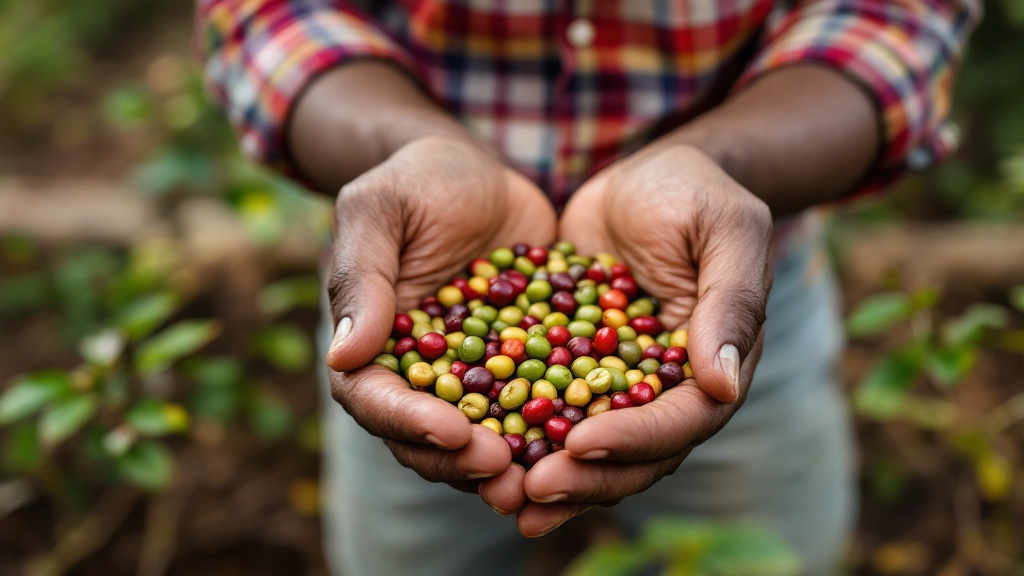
[(564, 88)]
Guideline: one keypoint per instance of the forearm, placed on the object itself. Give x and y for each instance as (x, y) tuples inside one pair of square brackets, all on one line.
[(801, 135), (355, 116)]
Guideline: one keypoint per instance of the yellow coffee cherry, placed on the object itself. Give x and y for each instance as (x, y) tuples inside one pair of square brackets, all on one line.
[(421, 374), (513, 333), (450, 296), (448, 387), (419, 316), (479, 284), (493, 424), (543, 388), (655, 382), (501, 366), (614, 318), (613, 362), (634, 376), (578, 393), (454, 340)]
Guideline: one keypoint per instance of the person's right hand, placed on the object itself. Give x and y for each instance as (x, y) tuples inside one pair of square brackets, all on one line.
[(402, 230)]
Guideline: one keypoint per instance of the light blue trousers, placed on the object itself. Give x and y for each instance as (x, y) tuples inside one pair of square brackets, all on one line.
[(784, 461)]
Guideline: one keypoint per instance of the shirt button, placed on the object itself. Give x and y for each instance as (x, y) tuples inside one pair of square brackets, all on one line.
[(580, 33)]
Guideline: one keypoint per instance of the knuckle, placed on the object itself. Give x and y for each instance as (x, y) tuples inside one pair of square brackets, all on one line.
[(337, 386), (343, 279)]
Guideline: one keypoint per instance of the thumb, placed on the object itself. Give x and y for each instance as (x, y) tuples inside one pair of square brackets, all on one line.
[(361, 287), (732, 292)]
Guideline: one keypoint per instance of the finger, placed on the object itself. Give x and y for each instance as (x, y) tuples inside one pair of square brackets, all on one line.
[(583, 223), (485, 455), (368, 231), (505, 492), (732, 292), (561, 478), (382, 403), (538, 519), (676, 420)]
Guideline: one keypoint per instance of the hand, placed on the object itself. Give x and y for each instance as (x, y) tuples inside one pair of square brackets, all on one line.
[(402, 230), (698, 242)]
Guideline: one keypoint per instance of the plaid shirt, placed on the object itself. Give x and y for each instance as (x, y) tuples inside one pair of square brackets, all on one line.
[(564, 88)]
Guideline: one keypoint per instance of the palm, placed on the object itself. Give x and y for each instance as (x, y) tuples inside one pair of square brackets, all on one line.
[(618, 212), (459, 205)]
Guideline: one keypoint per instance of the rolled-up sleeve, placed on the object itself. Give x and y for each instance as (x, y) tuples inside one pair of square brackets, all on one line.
[(260, 54), (902, 52)]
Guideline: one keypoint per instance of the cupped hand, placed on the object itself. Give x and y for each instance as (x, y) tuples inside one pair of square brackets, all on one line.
[(402, 230), (698, 242)]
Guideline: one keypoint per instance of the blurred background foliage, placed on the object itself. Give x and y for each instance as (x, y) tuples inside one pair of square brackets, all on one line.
[(128, 366)]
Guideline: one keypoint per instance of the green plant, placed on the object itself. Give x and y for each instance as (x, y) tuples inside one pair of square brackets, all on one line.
[(913, 392), (686, 547), (122, 411)]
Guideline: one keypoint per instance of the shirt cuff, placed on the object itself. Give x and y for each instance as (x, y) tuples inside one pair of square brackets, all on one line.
[(259, 65), (902, 58)]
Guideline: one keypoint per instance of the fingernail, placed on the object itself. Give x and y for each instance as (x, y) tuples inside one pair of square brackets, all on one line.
[(729, 362), (552, 498), (436, 441), (344, 328), (599, 454), (500, 512), (478, 475)]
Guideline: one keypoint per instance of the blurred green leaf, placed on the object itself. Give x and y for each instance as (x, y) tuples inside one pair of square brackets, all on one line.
[(148, 465), (886, 480), (18, 248), (22, 449), (140, 317), (285, 346), (66, 416), (22, 293), (1012, 340), (972, 325), (175, 168), (31, 392), (214, 372), (284, 295), (219, 392), (268, 416), (152, 417), (878, 312), (616, 559), (950, 365), (218, 403), (173, 343), (262, 216), (882, 393), (739, 550), (1017, 298), (128, 106), (930, 413), (924, 298)]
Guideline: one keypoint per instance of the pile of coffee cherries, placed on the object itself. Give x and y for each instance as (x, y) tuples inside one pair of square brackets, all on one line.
[(533, 340)]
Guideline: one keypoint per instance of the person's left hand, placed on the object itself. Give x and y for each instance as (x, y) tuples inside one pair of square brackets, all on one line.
[(698, 242)]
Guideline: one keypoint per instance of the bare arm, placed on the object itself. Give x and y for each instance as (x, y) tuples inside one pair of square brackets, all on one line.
[(355, 116), (799, 136)]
